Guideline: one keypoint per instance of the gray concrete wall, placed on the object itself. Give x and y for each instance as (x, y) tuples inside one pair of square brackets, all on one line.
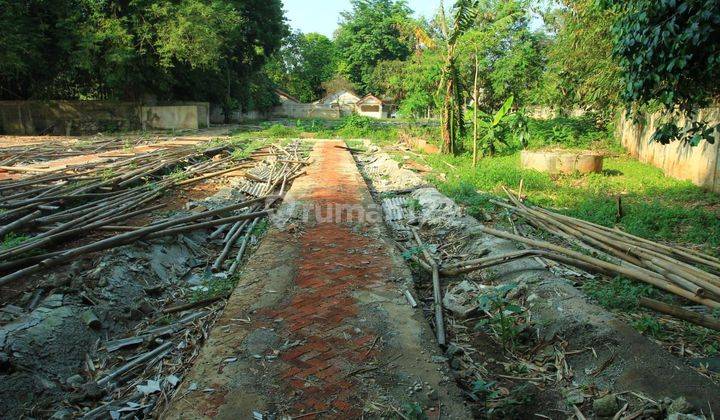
[(203, 111), (89, 117), (171, 117), (293, 110), (699, 164), (67, 117), (217, 116)]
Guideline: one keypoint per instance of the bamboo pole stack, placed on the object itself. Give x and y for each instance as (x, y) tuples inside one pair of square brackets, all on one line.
[(49, 210), (51, 150), (683, 272)]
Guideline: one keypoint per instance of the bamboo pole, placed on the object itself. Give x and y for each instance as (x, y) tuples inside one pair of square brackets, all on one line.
[(618, 269), (678, 312), (437, 292)]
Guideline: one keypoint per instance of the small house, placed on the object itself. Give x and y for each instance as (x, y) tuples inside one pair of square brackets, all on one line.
[(373, 107)]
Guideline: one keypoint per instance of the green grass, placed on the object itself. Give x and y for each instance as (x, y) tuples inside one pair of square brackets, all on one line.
[(278, 131), (12, 240), (359, 127), (215, 287), (655, 206), (620, 293)]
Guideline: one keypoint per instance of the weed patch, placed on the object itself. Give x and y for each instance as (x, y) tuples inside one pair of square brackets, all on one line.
[(619, 293), (213, 287), (506, 318), (12, 240)]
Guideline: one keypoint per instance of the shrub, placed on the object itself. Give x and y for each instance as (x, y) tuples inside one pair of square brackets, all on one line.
[(281, 131)]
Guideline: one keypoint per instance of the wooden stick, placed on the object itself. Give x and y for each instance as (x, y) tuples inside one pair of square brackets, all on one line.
[(414, 258), (243, 246), (211, 175), (26, 169), (135, 362), (437, 292), (191, 305), (678, 312), (4, 230), (149, 232)]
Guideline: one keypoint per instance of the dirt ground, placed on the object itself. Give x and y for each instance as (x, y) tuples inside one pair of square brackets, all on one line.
[(569, 357), (318, 324), (59, 328)]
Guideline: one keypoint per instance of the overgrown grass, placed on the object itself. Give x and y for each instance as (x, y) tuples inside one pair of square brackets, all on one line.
[(571, 133), (620, 293), (654, 206)]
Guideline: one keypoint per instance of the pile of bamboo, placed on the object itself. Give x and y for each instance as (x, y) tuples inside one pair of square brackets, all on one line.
[(51, 209), (683, 272), (24, 154)]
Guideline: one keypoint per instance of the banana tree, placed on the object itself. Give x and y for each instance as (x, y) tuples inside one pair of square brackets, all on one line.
[(493, 127), (453, 124)]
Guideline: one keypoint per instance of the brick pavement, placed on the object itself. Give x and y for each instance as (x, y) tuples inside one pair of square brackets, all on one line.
[(327, 332)]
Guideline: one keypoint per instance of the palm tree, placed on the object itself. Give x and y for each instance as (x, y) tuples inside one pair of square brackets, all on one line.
[(453, 124)]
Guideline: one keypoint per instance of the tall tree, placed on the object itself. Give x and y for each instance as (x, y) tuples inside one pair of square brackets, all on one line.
[(303, 64), (669, 53), (581, 70), (510, 57), (373, 31), (453, 124)]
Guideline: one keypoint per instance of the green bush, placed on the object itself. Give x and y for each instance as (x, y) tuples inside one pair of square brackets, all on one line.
[(281, 131), (358, 126), (571, 133)]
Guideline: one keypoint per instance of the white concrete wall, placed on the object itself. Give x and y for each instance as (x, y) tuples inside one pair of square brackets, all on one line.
[(699, 164), (382, 112)]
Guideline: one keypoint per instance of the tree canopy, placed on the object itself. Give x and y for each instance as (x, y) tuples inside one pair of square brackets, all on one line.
[(669, 54), (597, 55), (303, 64), (108, 49), (581, 70), (669, 51), (373, 31)]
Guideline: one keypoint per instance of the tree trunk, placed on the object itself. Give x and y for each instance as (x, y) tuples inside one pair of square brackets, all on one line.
[(475, 111), (447, 131)]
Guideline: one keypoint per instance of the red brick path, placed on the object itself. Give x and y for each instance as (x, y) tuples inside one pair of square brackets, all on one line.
[(344, 358), (334, 263)]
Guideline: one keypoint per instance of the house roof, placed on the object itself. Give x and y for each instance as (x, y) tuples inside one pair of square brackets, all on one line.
[(335, 95), (286, 95), (370, 96)]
